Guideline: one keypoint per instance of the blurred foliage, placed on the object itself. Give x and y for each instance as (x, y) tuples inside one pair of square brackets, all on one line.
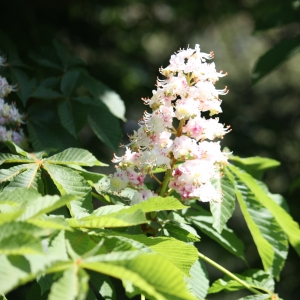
[(124, 43)]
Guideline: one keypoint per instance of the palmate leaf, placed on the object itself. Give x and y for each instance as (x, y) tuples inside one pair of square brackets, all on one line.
[(31, 178), (42, 205), (68, 181), (102, 93), (70, 81), (203, 221), (267, 232), (180, 254), (273, 58), (154, 204), (19, 196), (127, 216), (73, 116), (14, 158), (223, 210), (11, 274), (15, 149), (50, 222), (179, 232), (20, 244), (284, 220), (103, 285), (25, 84), (123, 219), (11, 173), (105, 125), (16, 270), (198, 282), (256, 279), (256, 165), (155, 276), (19, 228), (72, 285), (75, 156)]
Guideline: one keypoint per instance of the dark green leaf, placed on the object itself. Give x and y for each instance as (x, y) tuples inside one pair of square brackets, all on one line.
[(46, 93), (105, 125), (25, 84), (273, 58), (73, 116), (70, 82), (102, 93), (47, 57)]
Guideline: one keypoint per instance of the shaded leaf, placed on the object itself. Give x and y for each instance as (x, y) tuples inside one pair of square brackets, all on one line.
[(103, 93), (72, 115), (105, 125), (273, 58), (25, 84), (46, 93), (47, 57), (69, 82)]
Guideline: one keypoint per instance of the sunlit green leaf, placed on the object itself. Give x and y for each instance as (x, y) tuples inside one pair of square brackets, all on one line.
[(284, 220), (256, 279), (151, 273), (222, 211), (198, 282), (203, 220), (256, 165), (74, 156), (68, 181)]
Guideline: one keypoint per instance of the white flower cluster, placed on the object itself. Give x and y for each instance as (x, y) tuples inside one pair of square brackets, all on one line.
[(10, 118), (187, 149)]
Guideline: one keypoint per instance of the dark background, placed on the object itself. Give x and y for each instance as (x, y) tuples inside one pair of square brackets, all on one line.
[(125, 42)]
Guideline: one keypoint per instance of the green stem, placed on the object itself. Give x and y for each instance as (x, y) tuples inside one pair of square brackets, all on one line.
[(225, 271), (165, 183)]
